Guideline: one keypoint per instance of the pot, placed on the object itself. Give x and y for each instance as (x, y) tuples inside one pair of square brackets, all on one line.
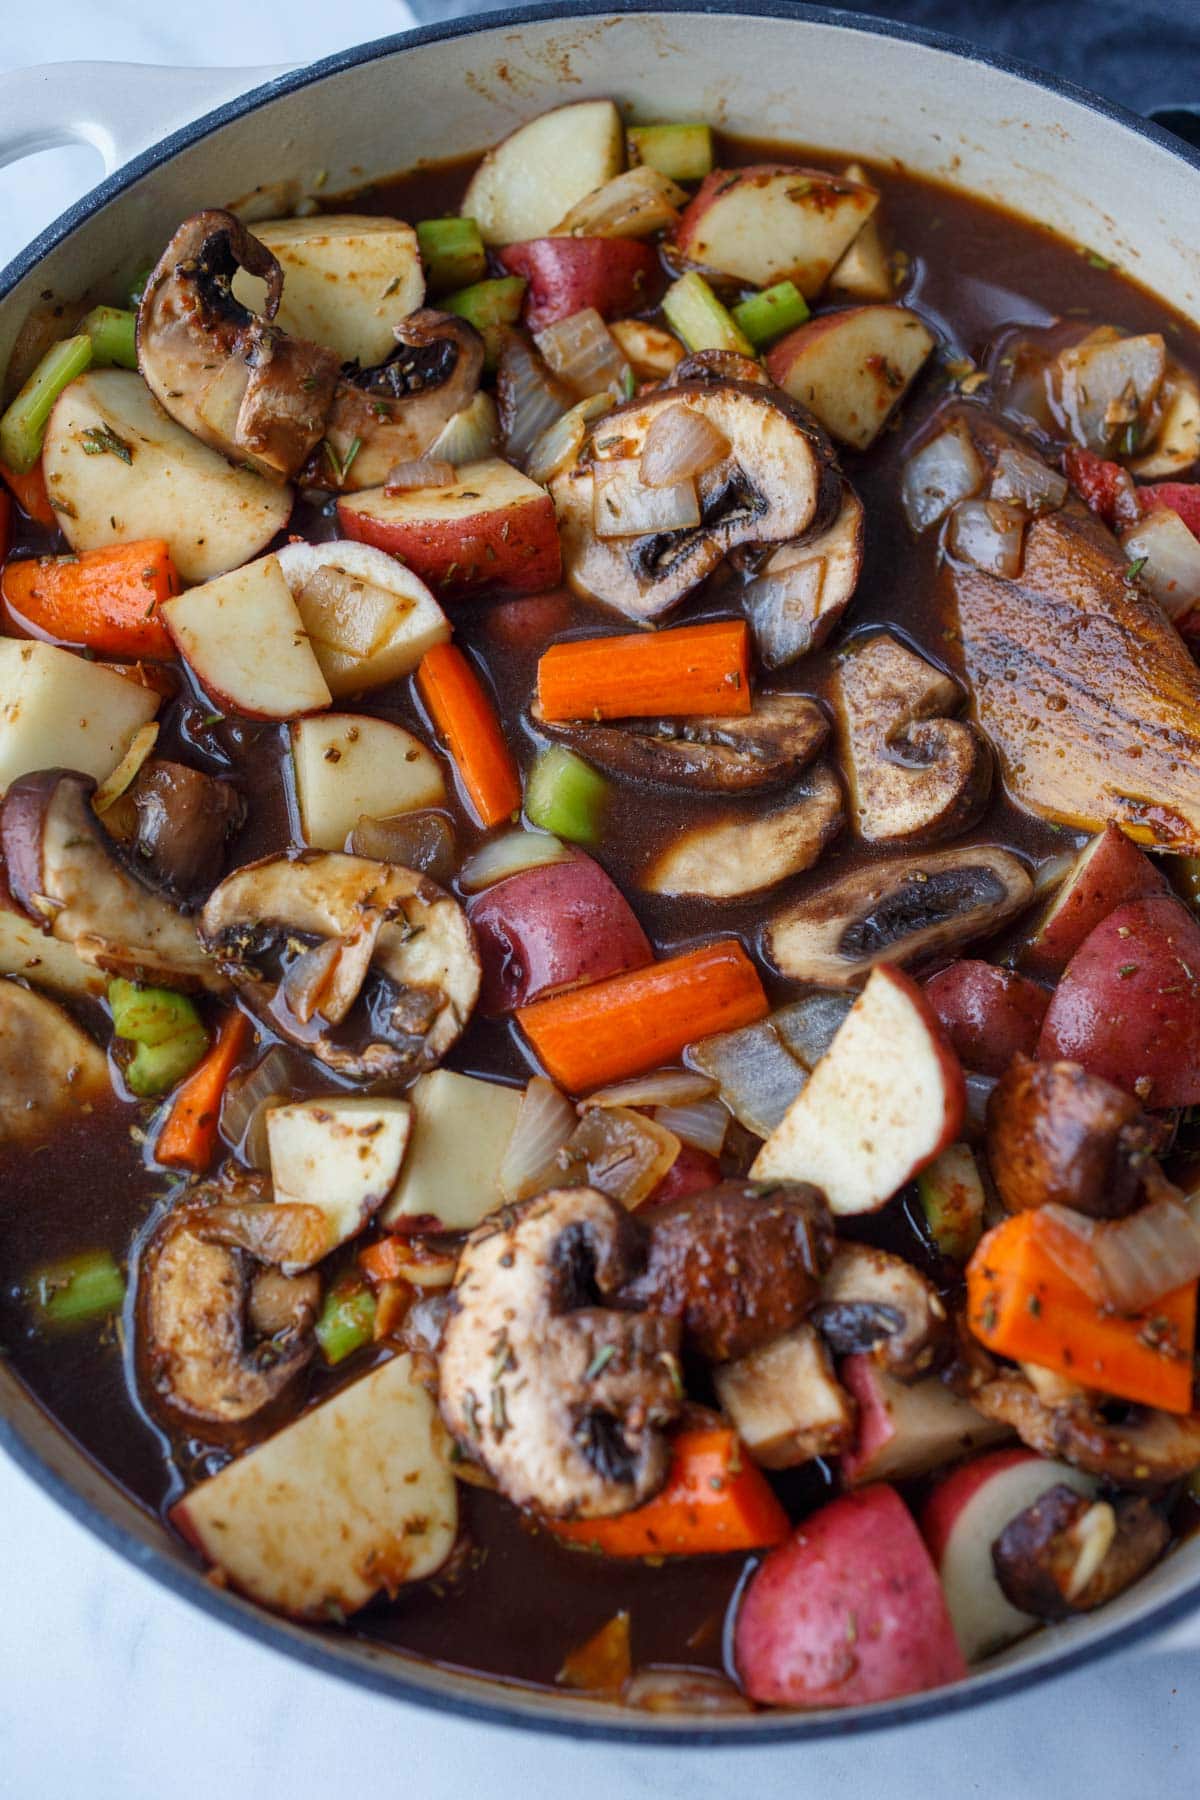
[(1101, 176)]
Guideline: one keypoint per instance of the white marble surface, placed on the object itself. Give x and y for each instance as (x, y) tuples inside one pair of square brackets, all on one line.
[(112, 1689)]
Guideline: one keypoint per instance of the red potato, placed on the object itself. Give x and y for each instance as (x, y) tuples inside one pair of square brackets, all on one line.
[(988, 1014), (848, 1611), (567, 274), (852, 368), (491, 528), (1104, 487), (528, 624), (769, 223), (1109, 871), (561, 925), (1128, 1005), (1183, 497), (906, 1430), (693, 1172)]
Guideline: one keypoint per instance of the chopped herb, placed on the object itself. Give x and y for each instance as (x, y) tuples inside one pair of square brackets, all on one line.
[(1094, 259), (1134, 570), (628, 384), (341, 466), (600, 1362), (101, 440)]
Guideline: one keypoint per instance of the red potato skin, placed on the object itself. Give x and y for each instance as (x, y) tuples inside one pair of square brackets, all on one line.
[(988, 1014), (693, 1172), (946, 1500), (848, 1611), (1111, 871), (563, 925), (1104, 487), (512, 549), (528, 624), (567, 274), (1183, 497), (1128, 1005)]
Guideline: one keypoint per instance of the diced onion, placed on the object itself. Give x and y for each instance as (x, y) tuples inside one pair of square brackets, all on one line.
[(1027, 481), (988, 535), (420, 840), (1051, 874), (530, 397), (665, 1087), (757, 1074), (703, 1124), (635, 204), (559, 445), (1130, 1263), (622, 1153), (582, 352), (783, 609), (939, 475), (126, 771), (680, 444), (979, 1092), (248, 1098), (808, 1027), (1107, 386), (1169, 559), (424, 472), (544, 1124), (470, 434), (510, 854), (623, 506), (650, 351)]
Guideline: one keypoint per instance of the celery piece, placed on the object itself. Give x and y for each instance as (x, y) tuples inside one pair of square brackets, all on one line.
[(566, 795), (114, 337), (683, 152), (166, 1028), (453, 253), (347, 1322), (24, 424), (696, 315), (157, 1067), (769, 314), (952, 1199), (78, 1290), (489, 306), (137, 286)]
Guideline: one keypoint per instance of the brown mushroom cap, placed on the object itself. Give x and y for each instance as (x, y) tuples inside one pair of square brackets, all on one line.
[(184, 819), (1143, 1449), (732, 856), (1057, 1135), (50, 1070), (873, 1301), (1066, 1554), (803, 588)]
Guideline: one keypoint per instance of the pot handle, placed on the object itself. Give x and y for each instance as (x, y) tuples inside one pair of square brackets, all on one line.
[(120, 109)]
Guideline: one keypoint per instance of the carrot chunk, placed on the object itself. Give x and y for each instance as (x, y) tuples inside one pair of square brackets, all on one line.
[(681, 673), (189, 1134), (30, 492), (104, 600), (467, 723)]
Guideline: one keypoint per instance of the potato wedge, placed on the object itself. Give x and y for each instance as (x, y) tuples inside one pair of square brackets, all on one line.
[(532, 178), (770, 223), (59, 711), (340, 1153), (368, 618), (348, 766), (451, 1174), (851, 369), (347, 279), (245, 642)]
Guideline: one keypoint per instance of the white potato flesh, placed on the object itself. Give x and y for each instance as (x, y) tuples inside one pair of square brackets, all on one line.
[(348, 278), (865, 271), (245, 642), (341, 1154), (27, 951), (213, 516), (529, 181), (768, 224), (50, 1071), (356, 1497), (461, 1130), (480, 488), (851, 369), (368, 625), (1177, 442), (59, 711), (348, 767)]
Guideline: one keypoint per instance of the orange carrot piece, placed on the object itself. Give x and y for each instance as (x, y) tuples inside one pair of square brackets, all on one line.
[(467, 722), (381, 1261), (633, 1022), (189, 1134), (715, 1499), (30, 490), (690, 670), (1022, 1305), (105, 600)]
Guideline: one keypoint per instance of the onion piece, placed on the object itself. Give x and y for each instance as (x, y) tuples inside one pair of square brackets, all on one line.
[(471, 434), (941, 473), (510, 854), (123, 776), (290, 1233), (757, 1074), (1106, 388), (422, 840), (248, 1098), (425, 472), (680, 444), (623, 506), (1129, 1263), (622, 1153), (582, 352), (987, 535), (808, 1027), (1069, 1238), (1167, 559), (979, 1092), (664, 1087), (530, 398), (1027, 482), (426, 1262), (696, 1691), (635, 204), (702, 1123), (1051, 874), (559, 445), (544, 1124)]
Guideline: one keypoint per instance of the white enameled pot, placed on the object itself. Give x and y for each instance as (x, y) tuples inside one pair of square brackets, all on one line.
[(1093, 172)]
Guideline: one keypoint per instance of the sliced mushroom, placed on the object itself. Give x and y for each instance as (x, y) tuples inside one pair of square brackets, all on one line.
[(370, 967), (873, 1301), (803, 588), (193, 1299), (738, 1265), (777, 481), (1105, 389), (392, 413), (283, 1305), (50, 1070), (66, 872), (913, 771), (730, 857), (717, 365), (184, 820), (1176, 443), (1140, 1448), (228, 376), (1066, 1554), (1057, 1135), (898, 910), (720, 755), (562, 1399)]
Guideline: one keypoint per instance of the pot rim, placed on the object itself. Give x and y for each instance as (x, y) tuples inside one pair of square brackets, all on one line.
[(499, 1703)]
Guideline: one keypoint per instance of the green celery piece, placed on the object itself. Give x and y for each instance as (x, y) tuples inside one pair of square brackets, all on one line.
[(489, 306), (24, 424), (952, 1199), (137, 286), (78, 1290), (347, 1322), (682, 152), (150, 1015), (453, 253), (566, 796), (157, 1067), (114, 337), (769, 314), (696, 315)]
